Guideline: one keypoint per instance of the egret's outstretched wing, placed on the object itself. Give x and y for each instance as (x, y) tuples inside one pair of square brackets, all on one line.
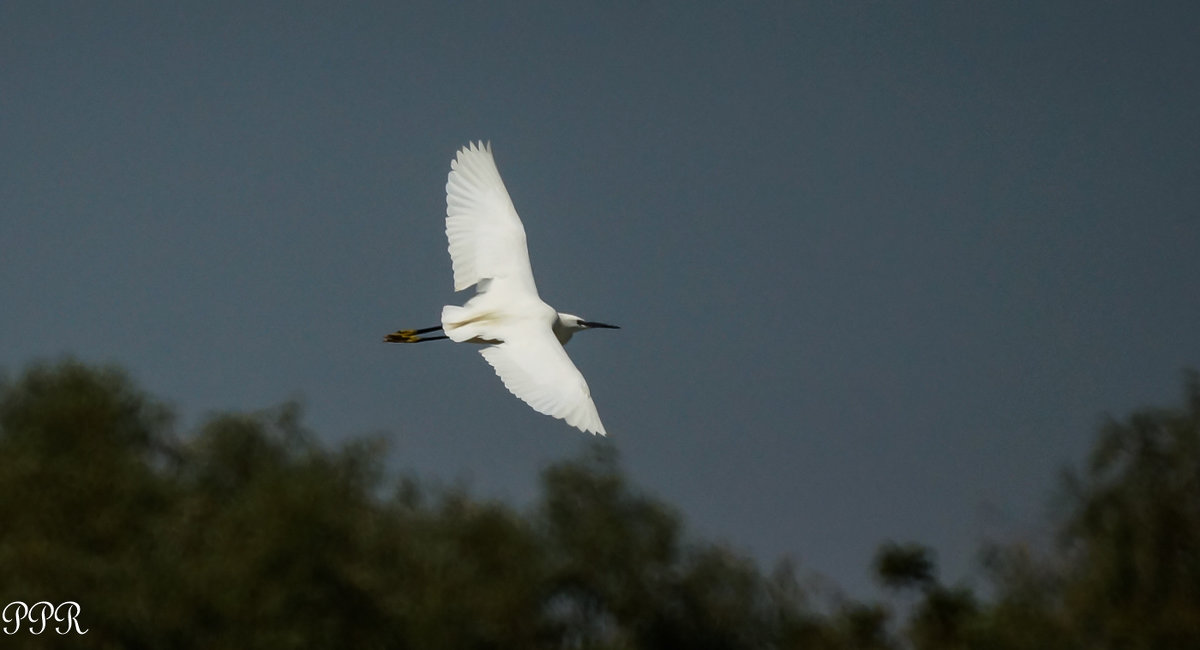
[(487, 240), (534, 366)]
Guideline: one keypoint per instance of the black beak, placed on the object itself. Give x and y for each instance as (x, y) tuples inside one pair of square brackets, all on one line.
[(588, 323)]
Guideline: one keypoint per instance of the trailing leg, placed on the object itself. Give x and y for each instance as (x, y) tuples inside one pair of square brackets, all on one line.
[(414, 336)]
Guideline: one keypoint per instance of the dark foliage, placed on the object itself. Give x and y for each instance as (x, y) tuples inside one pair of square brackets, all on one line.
[(247, 533)]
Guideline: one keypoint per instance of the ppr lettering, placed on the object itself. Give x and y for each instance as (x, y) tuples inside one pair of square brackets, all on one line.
[(36, 617)]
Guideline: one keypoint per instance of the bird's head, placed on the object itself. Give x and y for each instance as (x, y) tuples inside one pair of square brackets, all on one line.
[(567, 324)]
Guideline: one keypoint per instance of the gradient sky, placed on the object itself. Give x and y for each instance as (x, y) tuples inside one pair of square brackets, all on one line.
[(881, 268)]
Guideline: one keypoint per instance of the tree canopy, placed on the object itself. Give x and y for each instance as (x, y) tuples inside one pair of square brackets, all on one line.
[(249, 533)]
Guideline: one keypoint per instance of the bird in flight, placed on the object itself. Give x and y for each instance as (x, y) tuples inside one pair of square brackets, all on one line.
[(524, 336)]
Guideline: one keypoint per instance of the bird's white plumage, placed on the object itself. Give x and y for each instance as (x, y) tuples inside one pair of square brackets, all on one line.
[(534, 366), (487, 240), (487, 249)]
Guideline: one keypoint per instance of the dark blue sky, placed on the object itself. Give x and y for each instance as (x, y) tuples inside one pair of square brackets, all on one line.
[(881, 267)]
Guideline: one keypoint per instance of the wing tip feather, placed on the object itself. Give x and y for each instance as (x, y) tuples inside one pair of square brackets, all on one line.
[(583, 416)]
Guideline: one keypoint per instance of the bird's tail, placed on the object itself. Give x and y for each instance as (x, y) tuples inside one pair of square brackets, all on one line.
[(469, 323)]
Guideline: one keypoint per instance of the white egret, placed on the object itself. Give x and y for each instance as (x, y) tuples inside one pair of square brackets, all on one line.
[(525, 336)]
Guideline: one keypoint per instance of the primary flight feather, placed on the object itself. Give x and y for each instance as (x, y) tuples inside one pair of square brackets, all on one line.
[(524, 335)]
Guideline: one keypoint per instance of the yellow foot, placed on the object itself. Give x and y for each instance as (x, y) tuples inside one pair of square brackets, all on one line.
[(403, 336)]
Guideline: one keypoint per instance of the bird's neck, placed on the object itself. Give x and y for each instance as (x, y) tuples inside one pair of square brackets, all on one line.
[(561, 331)]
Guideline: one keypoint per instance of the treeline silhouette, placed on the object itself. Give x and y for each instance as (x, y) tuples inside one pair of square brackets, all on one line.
[(248, 533)]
